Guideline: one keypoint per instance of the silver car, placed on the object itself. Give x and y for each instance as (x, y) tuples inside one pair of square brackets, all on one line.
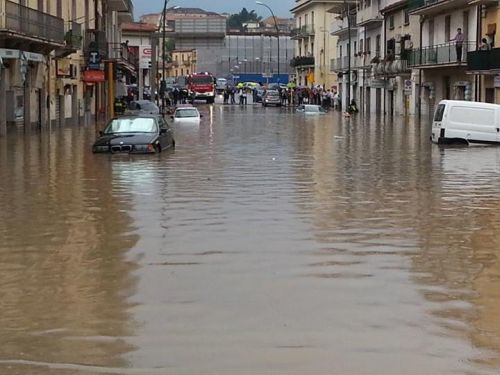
[(271, 97)]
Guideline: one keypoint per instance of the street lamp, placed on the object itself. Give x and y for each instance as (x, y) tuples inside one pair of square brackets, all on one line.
[(277, 32)]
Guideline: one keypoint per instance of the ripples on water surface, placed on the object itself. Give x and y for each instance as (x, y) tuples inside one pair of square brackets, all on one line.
[(265, 244)]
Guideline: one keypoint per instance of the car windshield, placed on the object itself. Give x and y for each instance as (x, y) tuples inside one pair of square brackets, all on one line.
[(131, 125), (207, 80), (272, 93), (188, 112)]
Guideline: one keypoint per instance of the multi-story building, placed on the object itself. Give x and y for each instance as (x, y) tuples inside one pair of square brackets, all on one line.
[(314, 47), (195, 28), (401, 37), (485, 63), (45, 48), (440, 64), (183, 63), (138, 37)]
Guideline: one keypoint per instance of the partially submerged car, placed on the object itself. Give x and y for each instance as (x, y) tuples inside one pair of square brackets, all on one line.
[(311, 109), (143, 134), (186, 114), (137, 107)]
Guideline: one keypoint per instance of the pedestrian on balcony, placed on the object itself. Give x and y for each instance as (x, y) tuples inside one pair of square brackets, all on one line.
[(484, 46), (459, 42)]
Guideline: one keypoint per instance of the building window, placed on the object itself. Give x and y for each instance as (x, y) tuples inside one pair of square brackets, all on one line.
[(368, 47), (360, 46), (447, 23), (312, 19), (305, 19), (406, 17), (355, 49), (340, 51), (377, 45), (300, 22), (391, 22), (182, 71)]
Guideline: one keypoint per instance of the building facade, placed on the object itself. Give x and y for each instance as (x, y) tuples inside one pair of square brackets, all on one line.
[(183, 63), (484, 63), (440, 64), (314, 48), (45, 48)]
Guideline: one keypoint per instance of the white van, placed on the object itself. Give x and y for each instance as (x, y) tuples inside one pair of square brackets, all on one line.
[(457, 121)]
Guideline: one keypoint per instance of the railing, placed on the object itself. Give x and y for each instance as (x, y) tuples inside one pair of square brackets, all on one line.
[(302, 61), (95, 40), (73, 36), (120, 51), (416, 4), (303, 31), (439, 54), (340, 63), (343, 25), (483, 60), (33, 23)]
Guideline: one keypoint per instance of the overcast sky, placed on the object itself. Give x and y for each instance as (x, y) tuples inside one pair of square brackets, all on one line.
[(280, 7)]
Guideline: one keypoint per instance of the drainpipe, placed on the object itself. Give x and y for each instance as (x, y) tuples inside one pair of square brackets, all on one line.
[(422, 19), (385, 69), (348, 94)]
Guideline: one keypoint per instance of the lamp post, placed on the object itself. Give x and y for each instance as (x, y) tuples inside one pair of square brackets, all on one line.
[(277, 32)]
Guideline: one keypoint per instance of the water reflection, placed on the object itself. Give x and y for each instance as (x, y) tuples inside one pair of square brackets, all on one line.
[(63, 274), (267, 241)]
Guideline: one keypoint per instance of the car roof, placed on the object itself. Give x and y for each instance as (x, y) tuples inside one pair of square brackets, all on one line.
[(140, 115), (185, 106)]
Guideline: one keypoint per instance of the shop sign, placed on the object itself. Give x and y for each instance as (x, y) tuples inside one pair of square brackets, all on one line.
[(93, 76)]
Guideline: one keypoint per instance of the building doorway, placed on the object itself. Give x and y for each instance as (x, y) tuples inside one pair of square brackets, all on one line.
[(368, 96), (489, 95)]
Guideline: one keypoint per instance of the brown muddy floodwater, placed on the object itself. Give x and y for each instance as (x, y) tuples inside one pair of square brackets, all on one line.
[(267, 243)]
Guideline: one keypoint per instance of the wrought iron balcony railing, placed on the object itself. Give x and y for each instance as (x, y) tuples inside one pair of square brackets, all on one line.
[(440, 54), (302, 32), (32, 23), (302, 61)]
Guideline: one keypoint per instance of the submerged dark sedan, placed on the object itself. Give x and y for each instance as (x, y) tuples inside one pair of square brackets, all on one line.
[(135, 134)]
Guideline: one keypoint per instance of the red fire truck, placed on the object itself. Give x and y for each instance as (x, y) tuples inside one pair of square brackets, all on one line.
[(201, 86)]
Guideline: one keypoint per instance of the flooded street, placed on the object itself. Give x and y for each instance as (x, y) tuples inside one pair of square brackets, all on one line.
[(268, 242)]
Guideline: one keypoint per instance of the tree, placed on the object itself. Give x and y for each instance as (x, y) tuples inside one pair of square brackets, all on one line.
[(236, 21)]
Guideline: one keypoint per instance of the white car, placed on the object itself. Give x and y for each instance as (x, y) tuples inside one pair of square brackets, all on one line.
[(186, 114), (311, 109)]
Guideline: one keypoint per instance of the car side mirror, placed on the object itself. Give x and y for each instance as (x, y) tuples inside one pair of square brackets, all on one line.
[(163, 130), (172, 117), (201, 116)]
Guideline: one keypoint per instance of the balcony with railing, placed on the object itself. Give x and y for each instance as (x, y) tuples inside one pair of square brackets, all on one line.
[(302, 32), (121, 5), (369, 15), (72, 40), (441, 54), (341, 26), (302, 61), (95, 40), (433, 7), (340, 64), (484, 61), (44, 31), (121, 53)]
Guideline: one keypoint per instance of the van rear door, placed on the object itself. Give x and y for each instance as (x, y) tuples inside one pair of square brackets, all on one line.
[(437, 123)]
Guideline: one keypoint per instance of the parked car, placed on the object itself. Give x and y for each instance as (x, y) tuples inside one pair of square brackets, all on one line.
[(458, 121), (258, 96), (137, 107), (186, 114), (271, 97), (311, 109), (142, 134)]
